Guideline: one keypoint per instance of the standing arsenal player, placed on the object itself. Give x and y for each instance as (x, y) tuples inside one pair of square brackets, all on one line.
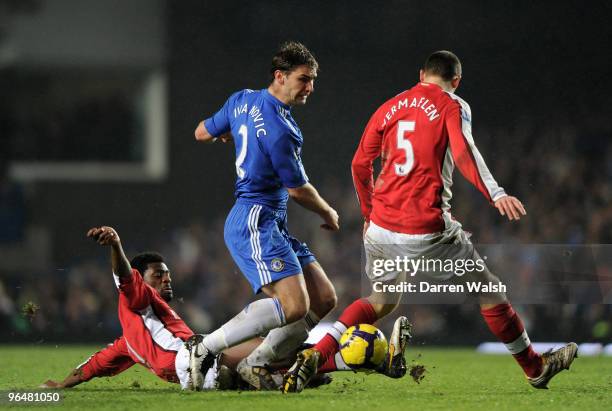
[(420, 135)]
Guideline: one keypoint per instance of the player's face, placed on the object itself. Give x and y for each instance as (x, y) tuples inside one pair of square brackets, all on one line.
[(157, 276), (298, 85)]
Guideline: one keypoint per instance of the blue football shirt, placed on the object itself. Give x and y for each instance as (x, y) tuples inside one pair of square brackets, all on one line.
[(268, 146)]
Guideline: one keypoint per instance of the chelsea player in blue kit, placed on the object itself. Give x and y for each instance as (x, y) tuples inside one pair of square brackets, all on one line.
[(269, 170)]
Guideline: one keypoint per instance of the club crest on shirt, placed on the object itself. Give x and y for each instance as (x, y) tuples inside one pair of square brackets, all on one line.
[(277, 264)]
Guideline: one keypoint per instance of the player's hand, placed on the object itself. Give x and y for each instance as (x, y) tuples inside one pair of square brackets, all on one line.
[(331, 219), (104, 235), (51, 384), (226, 138), (510, 207)]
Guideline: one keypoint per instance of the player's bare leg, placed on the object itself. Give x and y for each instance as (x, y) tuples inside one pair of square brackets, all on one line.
[(321, 291), (289, 303), (233, 355), (281, 342)]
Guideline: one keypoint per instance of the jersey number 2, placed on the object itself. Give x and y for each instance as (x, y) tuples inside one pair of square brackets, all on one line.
[(404, 144), (242, 132)]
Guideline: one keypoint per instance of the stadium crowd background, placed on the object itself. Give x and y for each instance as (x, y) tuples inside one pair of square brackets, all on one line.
[(538, 93)]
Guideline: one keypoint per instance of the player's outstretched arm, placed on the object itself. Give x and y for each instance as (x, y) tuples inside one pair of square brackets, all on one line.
[(108, 236), (112, 360), (308, 197), (510, 207), (74, 378)]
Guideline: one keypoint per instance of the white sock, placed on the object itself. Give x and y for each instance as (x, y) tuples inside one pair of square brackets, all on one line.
[(340, 364), (337, 330), (281, 342), (257, 318)]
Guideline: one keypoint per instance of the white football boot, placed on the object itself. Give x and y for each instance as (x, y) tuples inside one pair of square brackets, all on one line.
[(553, 362), (200, 360), (394, 365)]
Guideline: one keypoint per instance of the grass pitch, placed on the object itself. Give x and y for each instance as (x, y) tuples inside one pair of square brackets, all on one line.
[(455, 380)]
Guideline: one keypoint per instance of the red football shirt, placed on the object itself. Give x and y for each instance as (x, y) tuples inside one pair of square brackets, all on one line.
[(420, 135), (152, 331)]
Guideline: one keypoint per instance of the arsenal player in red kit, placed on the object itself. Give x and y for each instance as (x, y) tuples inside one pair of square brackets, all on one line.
[(153, 334), (421, 134)]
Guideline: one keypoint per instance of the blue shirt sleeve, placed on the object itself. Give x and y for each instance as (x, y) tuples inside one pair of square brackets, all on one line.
[(285, 156), (219, 123)]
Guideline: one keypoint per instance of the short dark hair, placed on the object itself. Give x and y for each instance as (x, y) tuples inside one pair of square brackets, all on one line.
[(140, 261), (290, 55), (443, 63)]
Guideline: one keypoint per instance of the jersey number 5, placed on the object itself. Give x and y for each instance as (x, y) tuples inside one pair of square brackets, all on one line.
[(242, 132), (404, 144)]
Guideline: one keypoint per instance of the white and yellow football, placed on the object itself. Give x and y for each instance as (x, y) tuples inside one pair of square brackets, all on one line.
[(363, 346)]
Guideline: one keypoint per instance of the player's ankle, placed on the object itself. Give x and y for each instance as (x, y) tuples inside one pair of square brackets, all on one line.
[(534, 368), (323, 357)]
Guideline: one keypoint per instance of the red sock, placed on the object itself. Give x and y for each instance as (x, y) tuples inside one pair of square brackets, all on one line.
[(505, 323), (328, 366), (359, 312)]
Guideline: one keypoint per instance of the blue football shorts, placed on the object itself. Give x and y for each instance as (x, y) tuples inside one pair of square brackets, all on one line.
[(257, 238)]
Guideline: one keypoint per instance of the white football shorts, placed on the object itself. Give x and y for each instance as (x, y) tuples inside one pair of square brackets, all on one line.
[(382, 245)]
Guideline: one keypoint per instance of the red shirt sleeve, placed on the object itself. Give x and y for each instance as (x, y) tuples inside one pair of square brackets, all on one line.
[(137, 293), (465, 154), (110, 361), (362, 166)]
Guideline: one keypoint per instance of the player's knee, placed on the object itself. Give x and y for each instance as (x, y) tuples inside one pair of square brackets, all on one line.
[(383, 309), (295, 313), (292, 294), (296, 308), (328, 302), (322, 294), (490, 298), (323, 299), (300, 311)]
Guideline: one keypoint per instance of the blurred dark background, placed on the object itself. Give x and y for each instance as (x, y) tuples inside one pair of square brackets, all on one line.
[(100, 101)]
